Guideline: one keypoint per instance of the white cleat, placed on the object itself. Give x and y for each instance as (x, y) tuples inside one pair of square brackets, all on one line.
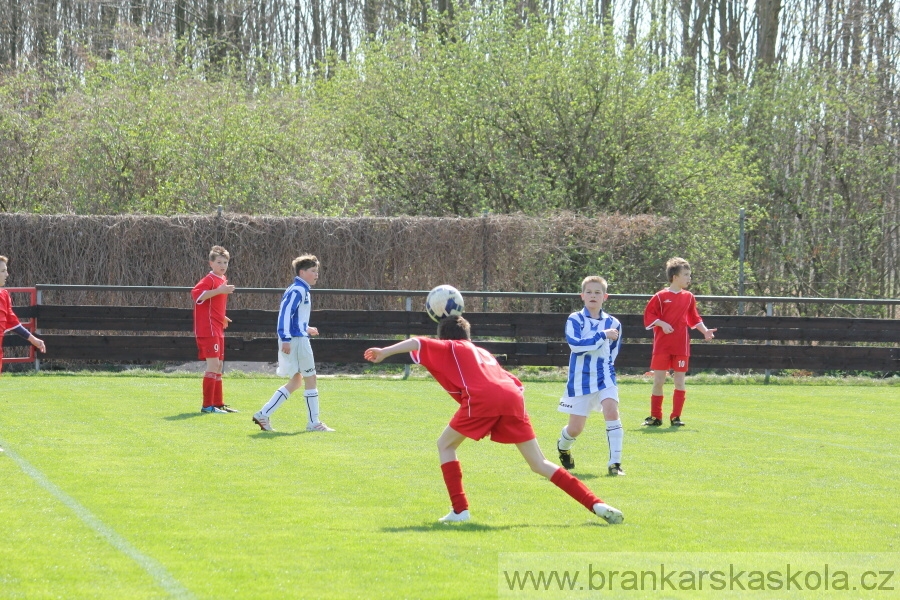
[(263, 422), (455, 517), (320, 426), (611, 515)]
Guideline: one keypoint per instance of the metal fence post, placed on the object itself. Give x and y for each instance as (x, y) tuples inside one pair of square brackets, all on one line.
[(769, 311), (37, 360), (406, 366)]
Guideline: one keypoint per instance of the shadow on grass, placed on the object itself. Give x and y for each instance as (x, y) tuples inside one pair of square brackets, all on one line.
[(262, 435), (184, 416), (469, 526), (669, 429)]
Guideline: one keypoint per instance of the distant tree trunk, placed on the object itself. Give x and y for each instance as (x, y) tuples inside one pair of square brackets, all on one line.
[(136, 13), (103, 39), (318, 52), (631, 36), (767, 15), (180, 21), (370, 17)]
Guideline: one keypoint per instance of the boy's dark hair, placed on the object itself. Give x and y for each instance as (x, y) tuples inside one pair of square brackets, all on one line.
[(217, 251), (674, 266), (302, 263), (454, 328)]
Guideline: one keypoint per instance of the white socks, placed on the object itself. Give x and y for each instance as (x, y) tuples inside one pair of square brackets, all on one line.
[(615, 434), (280, 395), (312, 406), (565, 441)]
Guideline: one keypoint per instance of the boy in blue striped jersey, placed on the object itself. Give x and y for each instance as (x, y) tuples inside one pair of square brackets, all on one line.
[(594, 338), (295, 356)]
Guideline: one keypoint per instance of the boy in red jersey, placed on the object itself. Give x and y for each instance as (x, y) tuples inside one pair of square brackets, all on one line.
[(8, 319), (491, 402), (210, 297), (670, 313)]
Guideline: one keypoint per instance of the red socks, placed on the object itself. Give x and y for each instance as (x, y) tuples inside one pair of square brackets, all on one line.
[(209, 389), (656, 407), (453, 480), (677, 403), (573, 487)]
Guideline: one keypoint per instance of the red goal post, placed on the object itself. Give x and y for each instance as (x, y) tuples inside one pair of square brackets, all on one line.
[(30, 324)]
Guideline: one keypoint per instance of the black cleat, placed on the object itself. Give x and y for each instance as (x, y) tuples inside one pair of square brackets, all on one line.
[(615, 470), (227, 409), (676, 422), (565, 457), (651, 422)]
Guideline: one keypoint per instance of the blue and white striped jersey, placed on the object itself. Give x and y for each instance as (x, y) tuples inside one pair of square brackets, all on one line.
[(293, 315), (592, 362)]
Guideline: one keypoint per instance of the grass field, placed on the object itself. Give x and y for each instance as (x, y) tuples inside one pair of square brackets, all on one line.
[(117, 487)]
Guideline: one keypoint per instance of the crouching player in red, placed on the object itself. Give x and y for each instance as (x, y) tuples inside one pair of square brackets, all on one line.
[(210, 299), (8, 319), (491, 402)]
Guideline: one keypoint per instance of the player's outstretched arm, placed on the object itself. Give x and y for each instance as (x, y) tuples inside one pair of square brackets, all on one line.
[(376, 355)]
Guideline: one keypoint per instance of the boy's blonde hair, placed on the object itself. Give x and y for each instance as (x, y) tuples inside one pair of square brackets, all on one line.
[(4, 259), (304, 262), (594, 279), (674, 266), (217, 251)]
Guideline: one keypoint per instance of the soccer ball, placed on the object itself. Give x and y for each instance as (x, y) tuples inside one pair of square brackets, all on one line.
[(443, 301)]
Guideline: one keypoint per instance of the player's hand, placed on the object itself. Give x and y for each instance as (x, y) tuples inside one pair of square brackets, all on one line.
[(374, 355), (709, 333), (39, 344), (312, 331), (666, 327), (611, 334), (226, 289), (225, 323), (285, 347)]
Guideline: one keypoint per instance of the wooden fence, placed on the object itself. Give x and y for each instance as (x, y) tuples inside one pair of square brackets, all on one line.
[(138, 333)]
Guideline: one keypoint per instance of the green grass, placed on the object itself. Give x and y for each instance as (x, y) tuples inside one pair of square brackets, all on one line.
[(228, 511)]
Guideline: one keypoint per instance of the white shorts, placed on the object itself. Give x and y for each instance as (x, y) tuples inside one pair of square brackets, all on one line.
[(300, 360), (584, 405)]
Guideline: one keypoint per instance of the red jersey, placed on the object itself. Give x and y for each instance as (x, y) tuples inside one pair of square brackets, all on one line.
[(678, 309), (209, 315), (8, 319), (472, 376)]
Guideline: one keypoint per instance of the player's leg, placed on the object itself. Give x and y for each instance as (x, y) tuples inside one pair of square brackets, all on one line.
[(208, 351), (307, 365), (678, 396), (263, 415), (561, 478), (311, 397), (219, 395), (567, 439), (659, 364), (452, 471), (577, 408), (614, 432)]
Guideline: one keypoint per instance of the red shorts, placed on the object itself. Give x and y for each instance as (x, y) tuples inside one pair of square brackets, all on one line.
[(664, 362), (504, 429), (211, 347)]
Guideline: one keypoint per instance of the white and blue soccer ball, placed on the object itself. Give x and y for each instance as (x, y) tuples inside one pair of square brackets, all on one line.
[(443, 301)]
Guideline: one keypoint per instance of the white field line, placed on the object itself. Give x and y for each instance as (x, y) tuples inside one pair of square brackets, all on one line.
[(150, 566)]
